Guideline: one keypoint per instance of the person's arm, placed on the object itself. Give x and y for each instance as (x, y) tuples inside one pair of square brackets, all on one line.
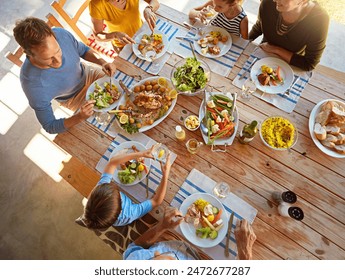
[(244, 28), (86, 111), (196, 12), (149, 13), (172, 218), (102, 36), (158, 197), (281, 52), (245, 238), (108, 68), (123, 158)]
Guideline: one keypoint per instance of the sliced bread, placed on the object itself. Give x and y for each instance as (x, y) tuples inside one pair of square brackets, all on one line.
[(340, 148), (320, 131)]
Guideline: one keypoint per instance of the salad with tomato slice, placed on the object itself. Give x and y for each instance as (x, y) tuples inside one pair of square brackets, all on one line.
[(270, 76), (205, 218), (220, 122)]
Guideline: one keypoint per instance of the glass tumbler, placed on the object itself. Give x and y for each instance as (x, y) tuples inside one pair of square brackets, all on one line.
[(221, 190)]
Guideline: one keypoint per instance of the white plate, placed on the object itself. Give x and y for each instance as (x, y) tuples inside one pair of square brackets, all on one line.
[(317, 142), (224, 47), (188, 230), (157, 122), (228, 141), (138, 53), (126, 148), (273, 62), (100, 82)]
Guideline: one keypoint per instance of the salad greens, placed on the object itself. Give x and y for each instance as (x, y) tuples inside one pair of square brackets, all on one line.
[(133, 169), (190, 76), (103, 96)]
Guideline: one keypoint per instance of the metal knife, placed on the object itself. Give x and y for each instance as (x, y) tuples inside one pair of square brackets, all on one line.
[(226, 252), (187, 38), (125, 88), (147, 183), (233, 104), (248, 70)]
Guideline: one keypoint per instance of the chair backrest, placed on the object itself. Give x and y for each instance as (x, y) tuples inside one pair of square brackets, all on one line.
[(15, 57), (72, 21)]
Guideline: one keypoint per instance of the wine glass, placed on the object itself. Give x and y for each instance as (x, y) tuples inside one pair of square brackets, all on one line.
[(248, 88), (221, 189)]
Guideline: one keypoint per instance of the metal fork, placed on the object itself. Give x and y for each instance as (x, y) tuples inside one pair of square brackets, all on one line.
[(287, 92)]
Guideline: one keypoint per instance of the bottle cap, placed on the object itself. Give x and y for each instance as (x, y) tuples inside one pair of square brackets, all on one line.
[(296, 213), (178, 128), (289, 197)]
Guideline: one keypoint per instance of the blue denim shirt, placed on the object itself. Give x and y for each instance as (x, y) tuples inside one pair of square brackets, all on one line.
[(129, 211)]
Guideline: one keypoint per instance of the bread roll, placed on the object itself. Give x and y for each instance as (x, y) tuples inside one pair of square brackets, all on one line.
[(325, 113), (320, 131), (340, 149), (332, 129)]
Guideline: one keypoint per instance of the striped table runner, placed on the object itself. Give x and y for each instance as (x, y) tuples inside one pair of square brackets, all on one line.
[(197, 182), (282, 101), (220, 65), (137, 191), (156, 66)]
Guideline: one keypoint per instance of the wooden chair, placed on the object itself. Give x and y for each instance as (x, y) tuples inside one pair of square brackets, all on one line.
[(103, 48), (15, 57)]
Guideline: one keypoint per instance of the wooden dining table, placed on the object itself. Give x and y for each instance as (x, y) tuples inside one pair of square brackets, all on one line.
[(254, 171)]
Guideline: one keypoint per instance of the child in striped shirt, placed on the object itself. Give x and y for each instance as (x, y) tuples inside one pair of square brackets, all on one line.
[(231, 16)]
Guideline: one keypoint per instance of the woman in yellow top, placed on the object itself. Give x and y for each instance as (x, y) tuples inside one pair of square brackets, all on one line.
[(122, 18)]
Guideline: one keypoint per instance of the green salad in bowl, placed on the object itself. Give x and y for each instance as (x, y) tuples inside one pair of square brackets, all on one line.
[(190, 76)]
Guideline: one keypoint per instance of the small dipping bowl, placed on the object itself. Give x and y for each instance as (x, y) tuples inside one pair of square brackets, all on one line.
[(192, 122)]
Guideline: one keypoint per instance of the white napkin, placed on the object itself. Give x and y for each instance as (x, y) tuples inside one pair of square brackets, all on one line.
[(282, 101), (156, 66), (220, 65), (198, 182), (137, 191)]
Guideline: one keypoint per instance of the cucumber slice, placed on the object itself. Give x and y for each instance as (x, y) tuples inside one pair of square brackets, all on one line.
[(215, 210)]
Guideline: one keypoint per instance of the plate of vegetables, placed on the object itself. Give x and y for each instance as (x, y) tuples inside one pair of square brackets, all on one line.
[(106, 98), (150, 102), (219, 119), (133, 171), (272, 75), (205, 220)]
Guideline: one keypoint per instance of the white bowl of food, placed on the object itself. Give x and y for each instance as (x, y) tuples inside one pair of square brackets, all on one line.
[(192, 122), (278, 133)]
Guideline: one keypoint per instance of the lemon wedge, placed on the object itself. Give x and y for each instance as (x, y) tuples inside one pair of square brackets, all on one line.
[(162, 81), (172, 94), (140, 167), (124, 119), (161, 153)]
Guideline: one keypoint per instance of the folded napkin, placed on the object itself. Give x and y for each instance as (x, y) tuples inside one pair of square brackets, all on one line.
[(220, 65), (282, 101), (156, 66), (137, 191), (197, 182), (113, 127)]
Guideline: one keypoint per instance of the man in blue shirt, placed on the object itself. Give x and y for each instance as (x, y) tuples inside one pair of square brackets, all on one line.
[(53, 70)]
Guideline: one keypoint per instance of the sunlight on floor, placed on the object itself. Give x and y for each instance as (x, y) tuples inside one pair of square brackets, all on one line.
[(12, 95), (46, 155), (7, 117), (4, 40)]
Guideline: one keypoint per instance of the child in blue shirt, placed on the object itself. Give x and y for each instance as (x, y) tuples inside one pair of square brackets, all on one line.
[(231, 16), (107, 205)]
